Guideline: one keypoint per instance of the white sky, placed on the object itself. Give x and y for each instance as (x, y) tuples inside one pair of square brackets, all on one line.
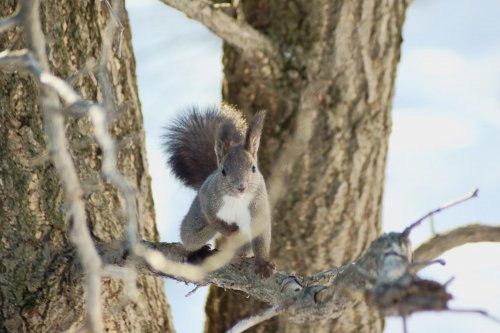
[(445, 140)]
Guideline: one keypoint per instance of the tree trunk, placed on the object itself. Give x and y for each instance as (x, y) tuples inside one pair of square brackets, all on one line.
[(328, 96), (39, 291)]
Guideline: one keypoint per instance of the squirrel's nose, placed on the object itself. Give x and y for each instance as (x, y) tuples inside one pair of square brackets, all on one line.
[(241, 188)]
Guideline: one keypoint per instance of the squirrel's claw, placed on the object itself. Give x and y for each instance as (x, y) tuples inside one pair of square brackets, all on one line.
[(264, 268), (201, 254)]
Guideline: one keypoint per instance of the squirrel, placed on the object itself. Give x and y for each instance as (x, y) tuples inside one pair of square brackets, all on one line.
[(215, 153)]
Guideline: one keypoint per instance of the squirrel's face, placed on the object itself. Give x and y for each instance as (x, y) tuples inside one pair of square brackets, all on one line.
[(239, 174)]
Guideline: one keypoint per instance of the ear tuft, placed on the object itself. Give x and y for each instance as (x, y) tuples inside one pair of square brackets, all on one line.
[(254, 131), (227, 136)]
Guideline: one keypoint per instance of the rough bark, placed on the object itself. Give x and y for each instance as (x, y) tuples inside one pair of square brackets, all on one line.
[(38, 292), (328, 95)]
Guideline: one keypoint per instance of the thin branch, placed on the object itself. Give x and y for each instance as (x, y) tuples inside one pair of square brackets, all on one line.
[(99, 119), (191, 292), (239, 34), (415, 265), (11, 21), (474, 194), (479, 312), (106, 52), (388, 284), (57, 146), (24, 59), (115, 12), (249, 322), (439, 244)]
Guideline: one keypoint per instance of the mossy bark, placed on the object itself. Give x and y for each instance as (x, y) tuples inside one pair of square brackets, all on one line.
[(328, 97), (39, 291)]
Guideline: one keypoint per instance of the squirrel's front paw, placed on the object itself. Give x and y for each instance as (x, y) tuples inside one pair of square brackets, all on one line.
[(264, 268), (230, 228)]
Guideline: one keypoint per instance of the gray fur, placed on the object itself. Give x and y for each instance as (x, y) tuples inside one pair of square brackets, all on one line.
[(236, 176), (189, 141)]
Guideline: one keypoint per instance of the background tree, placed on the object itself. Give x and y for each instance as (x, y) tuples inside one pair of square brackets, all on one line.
[(325, 73), (38, 292)]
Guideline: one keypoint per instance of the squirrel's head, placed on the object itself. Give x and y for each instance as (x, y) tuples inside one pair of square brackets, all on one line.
[(237, 157)]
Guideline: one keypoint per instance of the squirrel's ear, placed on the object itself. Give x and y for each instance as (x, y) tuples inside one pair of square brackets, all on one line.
[(254, 131), (223, 140)]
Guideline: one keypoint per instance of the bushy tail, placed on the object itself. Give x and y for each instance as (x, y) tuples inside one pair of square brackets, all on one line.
[(190, 140)]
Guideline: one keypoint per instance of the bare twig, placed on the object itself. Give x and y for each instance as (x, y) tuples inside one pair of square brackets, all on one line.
[(15, 19), (106, 142), (191, 292), (416, 265), (449, 281), (249, 322), (239, 34), (106, 52), (57, 146), (114, 9), (476, 311), (474, 194)]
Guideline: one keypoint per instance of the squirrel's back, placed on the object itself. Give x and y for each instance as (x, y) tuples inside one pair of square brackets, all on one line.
[(190, 140)]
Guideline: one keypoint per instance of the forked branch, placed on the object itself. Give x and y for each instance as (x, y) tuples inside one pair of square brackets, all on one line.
[(384, 277)]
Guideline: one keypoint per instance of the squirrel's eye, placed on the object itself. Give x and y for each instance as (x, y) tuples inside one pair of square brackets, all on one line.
[(253, 168), (224, 172)]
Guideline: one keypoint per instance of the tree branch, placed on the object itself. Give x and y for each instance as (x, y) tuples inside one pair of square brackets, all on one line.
[(382, 277), (11, 21), (236, 33), (452, 203), (439, 244)]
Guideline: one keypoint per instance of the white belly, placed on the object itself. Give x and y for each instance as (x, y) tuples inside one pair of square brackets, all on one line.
[(236, 210)]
